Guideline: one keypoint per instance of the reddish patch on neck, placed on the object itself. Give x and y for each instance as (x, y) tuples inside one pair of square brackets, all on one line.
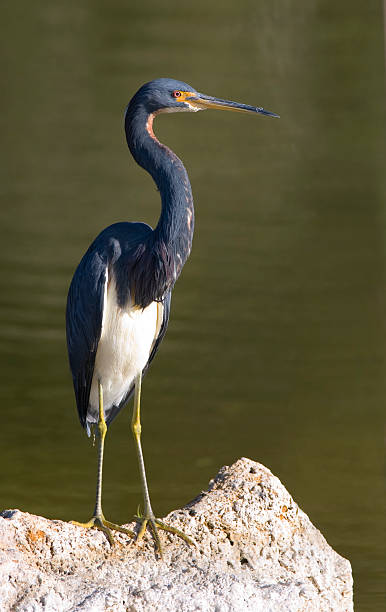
[(149, 126), (149, 129)]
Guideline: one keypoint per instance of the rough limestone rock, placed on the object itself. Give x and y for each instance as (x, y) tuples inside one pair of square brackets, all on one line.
[(256, 551)]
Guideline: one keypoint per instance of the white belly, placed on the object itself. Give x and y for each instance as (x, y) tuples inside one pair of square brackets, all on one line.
[(123, 350)]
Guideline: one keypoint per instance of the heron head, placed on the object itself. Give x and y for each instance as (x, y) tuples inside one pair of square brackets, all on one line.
[(169, 96)]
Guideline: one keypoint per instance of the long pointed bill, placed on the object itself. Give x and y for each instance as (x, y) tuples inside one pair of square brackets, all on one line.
[(201, 102)]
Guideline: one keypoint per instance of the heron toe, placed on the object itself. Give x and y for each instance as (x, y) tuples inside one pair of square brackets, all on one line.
[(154, 525), (99, 522)]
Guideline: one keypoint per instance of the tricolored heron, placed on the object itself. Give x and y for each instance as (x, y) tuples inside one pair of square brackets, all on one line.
[(119, 300)]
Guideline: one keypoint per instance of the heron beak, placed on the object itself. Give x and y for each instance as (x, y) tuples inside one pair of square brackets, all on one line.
[(201, 102)]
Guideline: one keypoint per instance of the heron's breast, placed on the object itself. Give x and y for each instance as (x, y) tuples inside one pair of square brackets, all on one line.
[(124, 347)]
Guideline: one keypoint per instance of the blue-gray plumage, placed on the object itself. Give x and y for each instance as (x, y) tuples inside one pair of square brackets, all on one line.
[(113, 253), (119, 300)]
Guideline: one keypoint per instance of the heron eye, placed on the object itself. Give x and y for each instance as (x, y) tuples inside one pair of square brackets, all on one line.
[(176, 94)]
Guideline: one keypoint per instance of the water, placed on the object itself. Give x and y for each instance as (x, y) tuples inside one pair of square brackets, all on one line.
[(275, 345)]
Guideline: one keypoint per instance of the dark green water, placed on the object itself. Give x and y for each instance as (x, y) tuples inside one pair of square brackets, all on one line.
[(275, 347)]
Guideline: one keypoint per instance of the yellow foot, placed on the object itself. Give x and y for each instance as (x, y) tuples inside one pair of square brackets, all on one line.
[(99, 522), (154, 523)]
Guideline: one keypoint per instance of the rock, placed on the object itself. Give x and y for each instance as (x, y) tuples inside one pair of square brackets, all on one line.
[(256, 551)]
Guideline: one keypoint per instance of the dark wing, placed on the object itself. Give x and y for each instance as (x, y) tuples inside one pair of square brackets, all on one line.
[(162, 330), (117, 243), (157, 341), (84, 323)]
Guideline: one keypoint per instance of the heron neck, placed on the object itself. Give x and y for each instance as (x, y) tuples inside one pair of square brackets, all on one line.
[(176, 223)]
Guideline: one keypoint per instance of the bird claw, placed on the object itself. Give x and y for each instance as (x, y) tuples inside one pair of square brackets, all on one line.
[(154, 523), (99, 522)]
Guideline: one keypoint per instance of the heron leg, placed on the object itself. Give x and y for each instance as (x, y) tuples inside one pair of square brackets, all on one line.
[(148, 515), (98, 520)]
